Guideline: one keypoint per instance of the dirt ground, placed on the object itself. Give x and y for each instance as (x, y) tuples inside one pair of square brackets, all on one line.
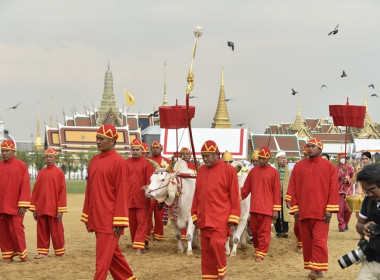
[(162, 260)]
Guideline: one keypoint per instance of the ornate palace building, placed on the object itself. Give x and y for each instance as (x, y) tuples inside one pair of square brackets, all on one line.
[(292, 137), (78, 131)]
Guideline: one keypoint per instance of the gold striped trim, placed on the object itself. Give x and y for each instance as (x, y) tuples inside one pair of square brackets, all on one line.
[(210, 276), (121, 218), (120, 223), (131, 278), (84, 215)]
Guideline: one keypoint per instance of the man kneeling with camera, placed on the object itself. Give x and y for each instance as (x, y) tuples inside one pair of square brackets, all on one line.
[(369, 221)]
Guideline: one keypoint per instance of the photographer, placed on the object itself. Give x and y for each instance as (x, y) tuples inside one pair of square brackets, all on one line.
[(369, 220)]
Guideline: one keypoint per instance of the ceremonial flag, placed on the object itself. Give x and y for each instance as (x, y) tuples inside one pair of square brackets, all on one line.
[(129, 99)]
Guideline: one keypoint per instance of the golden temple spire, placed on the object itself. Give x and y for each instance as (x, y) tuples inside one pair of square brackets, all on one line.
[(299, 126), (165, 101), (108, 112), (38, 142), (298, 123), (221, 119), (51, 113)]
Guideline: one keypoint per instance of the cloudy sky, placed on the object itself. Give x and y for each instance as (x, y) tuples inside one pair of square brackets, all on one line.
[(59, 51)]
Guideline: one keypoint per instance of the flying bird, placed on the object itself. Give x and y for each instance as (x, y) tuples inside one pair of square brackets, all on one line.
[(154, 114), (294, 92), (374, 95), (343, 74), (240, 124), (14, 107), (372, 86), (229, 99), (192, 96), (231, 44), (323, 86), (334, 31)]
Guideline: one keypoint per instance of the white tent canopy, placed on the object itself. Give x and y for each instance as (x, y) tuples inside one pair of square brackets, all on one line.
[(370, 145), (233, 140)]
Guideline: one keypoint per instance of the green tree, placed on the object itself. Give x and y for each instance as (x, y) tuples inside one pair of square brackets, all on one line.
[(39, 160), (24, 156)]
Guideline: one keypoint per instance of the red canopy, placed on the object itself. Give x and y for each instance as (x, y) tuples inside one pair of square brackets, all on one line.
[(174, 117), (348, 115)]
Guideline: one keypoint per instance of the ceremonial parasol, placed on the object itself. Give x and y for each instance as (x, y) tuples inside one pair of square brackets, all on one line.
[(175, 117), (348, 116)]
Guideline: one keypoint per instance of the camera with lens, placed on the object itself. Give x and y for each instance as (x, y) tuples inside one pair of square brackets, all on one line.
[(366, 249)]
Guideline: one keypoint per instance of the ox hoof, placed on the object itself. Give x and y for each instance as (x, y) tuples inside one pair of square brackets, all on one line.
[(189, 253), (233, 254), (179, 252)]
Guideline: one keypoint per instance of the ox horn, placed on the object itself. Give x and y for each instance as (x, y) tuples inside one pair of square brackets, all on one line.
[(153, 163), (171, 165)]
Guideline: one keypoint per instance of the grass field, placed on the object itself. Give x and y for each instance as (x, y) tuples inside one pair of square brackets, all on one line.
[(72, 186)]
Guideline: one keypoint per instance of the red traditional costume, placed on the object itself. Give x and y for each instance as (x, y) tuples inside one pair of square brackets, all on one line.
[(158, 229), (140, 171), (48, 199), (264, 185), (296, 228), (344, 171), (106, 207), (216, 203), (314, 192), (14, 194)]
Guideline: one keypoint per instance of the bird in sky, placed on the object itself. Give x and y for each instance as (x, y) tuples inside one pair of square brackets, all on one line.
[(334, 31), (374, 95), (323, 86), (229, 99), (372, 86), (240, 124), (343, 74), (192, 96), (294, 92), (14, 107), (231, 44), (154, 114)]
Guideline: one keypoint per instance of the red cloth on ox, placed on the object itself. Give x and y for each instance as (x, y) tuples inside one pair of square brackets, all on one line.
[(174, 117), (347, 115)]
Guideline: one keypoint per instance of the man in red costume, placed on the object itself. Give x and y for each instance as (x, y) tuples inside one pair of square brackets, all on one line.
[(105, 209), (216, 208), (314, 197), (185, 154), (140, 171), (155, 209), (345, 173), (14, 200), (145, 150), (263, 182), (288, 199), (48, 204)]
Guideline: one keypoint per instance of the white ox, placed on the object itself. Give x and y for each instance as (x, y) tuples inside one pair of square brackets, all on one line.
[(239, 232), (167, 186)]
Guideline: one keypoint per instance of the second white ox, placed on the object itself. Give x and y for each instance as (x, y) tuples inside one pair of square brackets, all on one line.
[(168, 187), (239, 232)]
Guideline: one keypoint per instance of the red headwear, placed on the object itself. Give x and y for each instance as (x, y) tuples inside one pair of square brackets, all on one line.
[(51, 151), (305, 149), (209, 147), (317, 142), (156, 144), (145, 148), (136, 143), (8, 145), (108, 130), (264, 152), (185, 149), (342, 155)]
